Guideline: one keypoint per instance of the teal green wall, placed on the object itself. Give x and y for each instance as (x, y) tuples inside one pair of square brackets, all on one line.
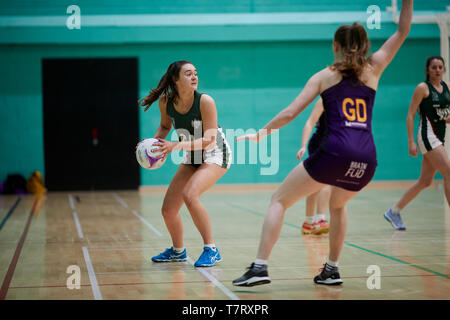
[(251, 71), (250, 83), (55, 7)]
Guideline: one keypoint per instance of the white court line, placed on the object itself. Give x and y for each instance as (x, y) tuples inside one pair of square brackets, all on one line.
[(146, 223), (216, 282), (91, 272), (72, 204), (206, 274), (78, 225), (119, 199)]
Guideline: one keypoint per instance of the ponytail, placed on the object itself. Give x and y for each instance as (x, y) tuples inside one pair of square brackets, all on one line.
[(166, 85), (354, 46)]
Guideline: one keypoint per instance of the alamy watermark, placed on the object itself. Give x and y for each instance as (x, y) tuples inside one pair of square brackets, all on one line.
[(266, 152), (74, 20), (374, 280), (74, 280), (374, 20)]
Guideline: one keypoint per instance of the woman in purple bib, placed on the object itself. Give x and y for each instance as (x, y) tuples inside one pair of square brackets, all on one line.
[(346, 159)]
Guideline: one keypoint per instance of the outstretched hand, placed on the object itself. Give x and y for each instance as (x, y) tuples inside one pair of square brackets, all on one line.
[(252, 137)]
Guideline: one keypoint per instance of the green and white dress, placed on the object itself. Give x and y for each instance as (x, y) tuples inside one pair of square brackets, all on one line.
[(434, 109), (189, 127)]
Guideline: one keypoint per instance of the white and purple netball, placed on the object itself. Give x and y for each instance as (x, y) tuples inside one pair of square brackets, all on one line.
[(147, 156)]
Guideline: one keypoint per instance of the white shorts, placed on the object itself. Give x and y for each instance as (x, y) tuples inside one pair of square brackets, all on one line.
[(220, 155), (430, 141)]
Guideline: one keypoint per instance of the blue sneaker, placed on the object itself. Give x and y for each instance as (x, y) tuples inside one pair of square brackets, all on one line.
[(170, 255), (395, 220), (208, 258)]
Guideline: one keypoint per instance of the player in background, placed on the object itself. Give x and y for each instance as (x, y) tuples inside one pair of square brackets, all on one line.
[(315, 223), (432, 99)]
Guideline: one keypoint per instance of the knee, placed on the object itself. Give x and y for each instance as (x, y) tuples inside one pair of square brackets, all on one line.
[(425, 183), (278, 201), (189, 197), (168, 213)]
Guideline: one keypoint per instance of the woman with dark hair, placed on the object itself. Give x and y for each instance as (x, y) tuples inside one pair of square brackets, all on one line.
[(207, 156), (346, 158), (432, 99)]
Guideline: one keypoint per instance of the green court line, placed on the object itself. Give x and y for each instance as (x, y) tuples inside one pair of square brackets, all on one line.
[(351, 245), (398, 260)]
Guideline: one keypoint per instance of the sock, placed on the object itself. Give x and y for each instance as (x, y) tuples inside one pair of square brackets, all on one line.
[(178, 250), (395, 210), (331, 265), (319, 216), (212, 246), (309, 220), (261, 262)]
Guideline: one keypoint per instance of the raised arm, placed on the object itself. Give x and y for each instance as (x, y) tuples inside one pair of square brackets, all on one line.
[(419, 93), (309, 125), (381, 59)]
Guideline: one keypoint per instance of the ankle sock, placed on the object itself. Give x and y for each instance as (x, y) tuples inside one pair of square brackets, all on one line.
[(319, 216), (261, 262), (211, 246)]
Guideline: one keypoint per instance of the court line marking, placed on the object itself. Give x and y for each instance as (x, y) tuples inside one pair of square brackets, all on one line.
[(72, 204), (203, 281), (78, 225), (91, 273), (15, 259), (206, 274), (352, 245), (216, 282), (10, 212), (143, 220), (391, 265), (399, 260), (148, 224), (120, 200)]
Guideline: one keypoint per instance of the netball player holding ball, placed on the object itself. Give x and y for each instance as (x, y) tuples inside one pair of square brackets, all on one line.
[(207, 157)]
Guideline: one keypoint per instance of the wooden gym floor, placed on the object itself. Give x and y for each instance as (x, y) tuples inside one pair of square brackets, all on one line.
[(111, 236)]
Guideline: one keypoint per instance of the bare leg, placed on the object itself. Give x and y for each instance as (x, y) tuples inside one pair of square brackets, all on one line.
[(439, 159), (297, 185), (426, 178), (173, 202), (338, 220), (203, 179), (323, 200), (311, 201)]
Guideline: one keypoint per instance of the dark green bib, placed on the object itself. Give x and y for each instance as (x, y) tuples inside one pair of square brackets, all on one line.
[(435, 108)]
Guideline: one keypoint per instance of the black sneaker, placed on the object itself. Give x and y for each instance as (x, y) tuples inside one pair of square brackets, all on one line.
[(256, 275), (329, 277)]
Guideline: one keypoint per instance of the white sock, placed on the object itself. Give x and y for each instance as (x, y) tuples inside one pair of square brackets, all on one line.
[(309, 220), (332, 263), (319, 216), (179, 250), (212, 246), (261, 262), (395, 210)]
